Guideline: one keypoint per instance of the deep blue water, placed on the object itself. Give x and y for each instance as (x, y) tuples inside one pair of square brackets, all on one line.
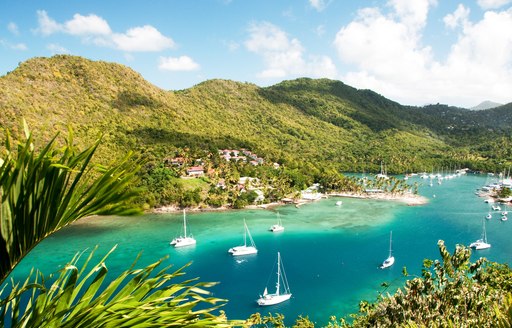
[(330, 253)]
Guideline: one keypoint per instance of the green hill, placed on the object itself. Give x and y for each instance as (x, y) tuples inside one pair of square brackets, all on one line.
[(305, 124)]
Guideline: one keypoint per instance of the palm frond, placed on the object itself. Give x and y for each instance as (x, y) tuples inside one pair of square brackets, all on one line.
[(45, 191), (144, 297)]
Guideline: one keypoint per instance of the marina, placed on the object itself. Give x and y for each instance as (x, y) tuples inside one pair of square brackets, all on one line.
[(332, 253)]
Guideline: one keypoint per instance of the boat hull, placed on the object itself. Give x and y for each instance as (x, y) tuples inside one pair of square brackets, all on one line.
[(276, 228), (271, 299), (479, 244), (242, 250), (388, 262), (183, 241)]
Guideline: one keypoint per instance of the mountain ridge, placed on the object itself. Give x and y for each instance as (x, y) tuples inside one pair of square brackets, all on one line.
[(315, 121)]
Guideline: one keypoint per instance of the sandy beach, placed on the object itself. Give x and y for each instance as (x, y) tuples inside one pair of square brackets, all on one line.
[(409, 199)]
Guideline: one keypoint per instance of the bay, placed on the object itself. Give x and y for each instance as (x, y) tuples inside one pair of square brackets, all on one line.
[(330, 253)]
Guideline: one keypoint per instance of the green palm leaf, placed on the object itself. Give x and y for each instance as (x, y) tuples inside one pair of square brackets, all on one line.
[(41, 193), (137, 297)]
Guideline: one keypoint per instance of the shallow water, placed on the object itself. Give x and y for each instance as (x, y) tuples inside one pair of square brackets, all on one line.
[(330, 253)]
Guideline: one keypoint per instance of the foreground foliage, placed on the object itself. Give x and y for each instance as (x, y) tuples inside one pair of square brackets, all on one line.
[(144, 297), (450, 293), (44, 190)]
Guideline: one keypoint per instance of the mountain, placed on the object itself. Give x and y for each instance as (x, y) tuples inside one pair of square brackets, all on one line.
[(486, 105), (304, 123)]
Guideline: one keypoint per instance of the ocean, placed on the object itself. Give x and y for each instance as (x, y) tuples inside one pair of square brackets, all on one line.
[(331, 254)]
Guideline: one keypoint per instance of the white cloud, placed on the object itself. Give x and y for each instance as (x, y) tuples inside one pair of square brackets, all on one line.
[(389, 57), (319, 5), (87, 25), (145, 38), (284, 56), (47, 25), (492, 4), (459, 17), (17, 46), (412, 13), (320, 30), (57, 49), (13, 28), (182, 63), (95, 29)]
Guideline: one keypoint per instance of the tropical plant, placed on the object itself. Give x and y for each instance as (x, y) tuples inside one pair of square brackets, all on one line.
[(450, 293), (41, 193), (144, 297)]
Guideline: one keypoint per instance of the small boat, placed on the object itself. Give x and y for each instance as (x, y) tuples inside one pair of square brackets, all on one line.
[(280, 295), (488, 216), (278, 226), (383, 174), (244, 249), (184, 240), (504, 213), (339, 203), (504, 218), (496, 208), (391, 259), (482, 242)]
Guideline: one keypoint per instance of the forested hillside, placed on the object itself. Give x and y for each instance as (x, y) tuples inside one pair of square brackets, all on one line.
[(310, 126)]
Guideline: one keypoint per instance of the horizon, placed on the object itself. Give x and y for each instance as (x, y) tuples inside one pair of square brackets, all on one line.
[(412, 52)]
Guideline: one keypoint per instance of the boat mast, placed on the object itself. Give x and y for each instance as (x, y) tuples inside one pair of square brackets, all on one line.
[(184, 223), (278, 272), (245, 233), (390, 243), (484, 234)]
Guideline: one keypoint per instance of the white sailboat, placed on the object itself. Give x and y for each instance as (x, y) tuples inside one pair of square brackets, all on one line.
[(280, 295), (391, 259), (184, 240), (244, 249), (383, 173), (278, 226), (482, 242)]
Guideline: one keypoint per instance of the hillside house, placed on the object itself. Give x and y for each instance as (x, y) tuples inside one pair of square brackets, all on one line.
[(195, 171)]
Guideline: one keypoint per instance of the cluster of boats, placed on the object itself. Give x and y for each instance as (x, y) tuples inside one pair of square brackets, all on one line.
[(282, 292)]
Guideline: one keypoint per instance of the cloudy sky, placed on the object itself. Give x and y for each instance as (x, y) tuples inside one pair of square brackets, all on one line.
[(415, 52)]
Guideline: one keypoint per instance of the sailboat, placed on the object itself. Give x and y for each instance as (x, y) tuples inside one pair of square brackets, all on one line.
[(280, 295), (184, 240), (482, 242), (244, 249), (383, 173), (391, 259), (278, 226)]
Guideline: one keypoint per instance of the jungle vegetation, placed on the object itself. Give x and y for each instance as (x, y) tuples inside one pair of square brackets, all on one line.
[(311, 128)]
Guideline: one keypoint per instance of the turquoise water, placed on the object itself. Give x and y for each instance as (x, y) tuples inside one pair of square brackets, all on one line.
[(330, 253)]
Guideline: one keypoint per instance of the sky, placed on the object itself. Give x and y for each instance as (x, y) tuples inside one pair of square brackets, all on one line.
[(415, 52)]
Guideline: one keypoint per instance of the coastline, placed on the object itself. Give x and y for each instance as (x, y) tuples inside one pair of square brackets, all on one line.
[(408, 199)]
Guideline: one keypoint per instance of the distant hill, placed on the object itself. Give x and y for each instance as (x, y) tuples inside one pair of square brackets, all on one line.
[(486, 105), (303, 123)]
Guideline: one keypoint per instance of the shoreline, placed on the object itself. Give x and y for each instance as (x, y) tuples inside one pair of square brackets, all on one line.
[(408, 199)]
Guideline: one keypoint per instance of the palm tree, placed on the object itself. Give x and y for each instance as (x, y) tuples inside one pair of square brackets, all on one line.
[(42, 192)]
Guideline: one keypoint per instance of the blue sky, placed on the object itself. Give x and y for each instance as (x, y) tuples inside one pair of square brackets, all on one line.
[(412, 51)]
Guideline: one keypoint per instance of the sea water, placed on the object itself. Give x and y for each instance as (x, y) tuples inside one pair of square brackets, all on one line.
[(331, 254)]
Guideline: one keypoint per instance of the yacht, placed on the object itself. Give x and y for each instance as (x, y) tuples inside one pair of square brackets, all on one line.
[(278, 226), (244, 249), (184, 240), (281, 294), (482, 242), (391, 259)]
